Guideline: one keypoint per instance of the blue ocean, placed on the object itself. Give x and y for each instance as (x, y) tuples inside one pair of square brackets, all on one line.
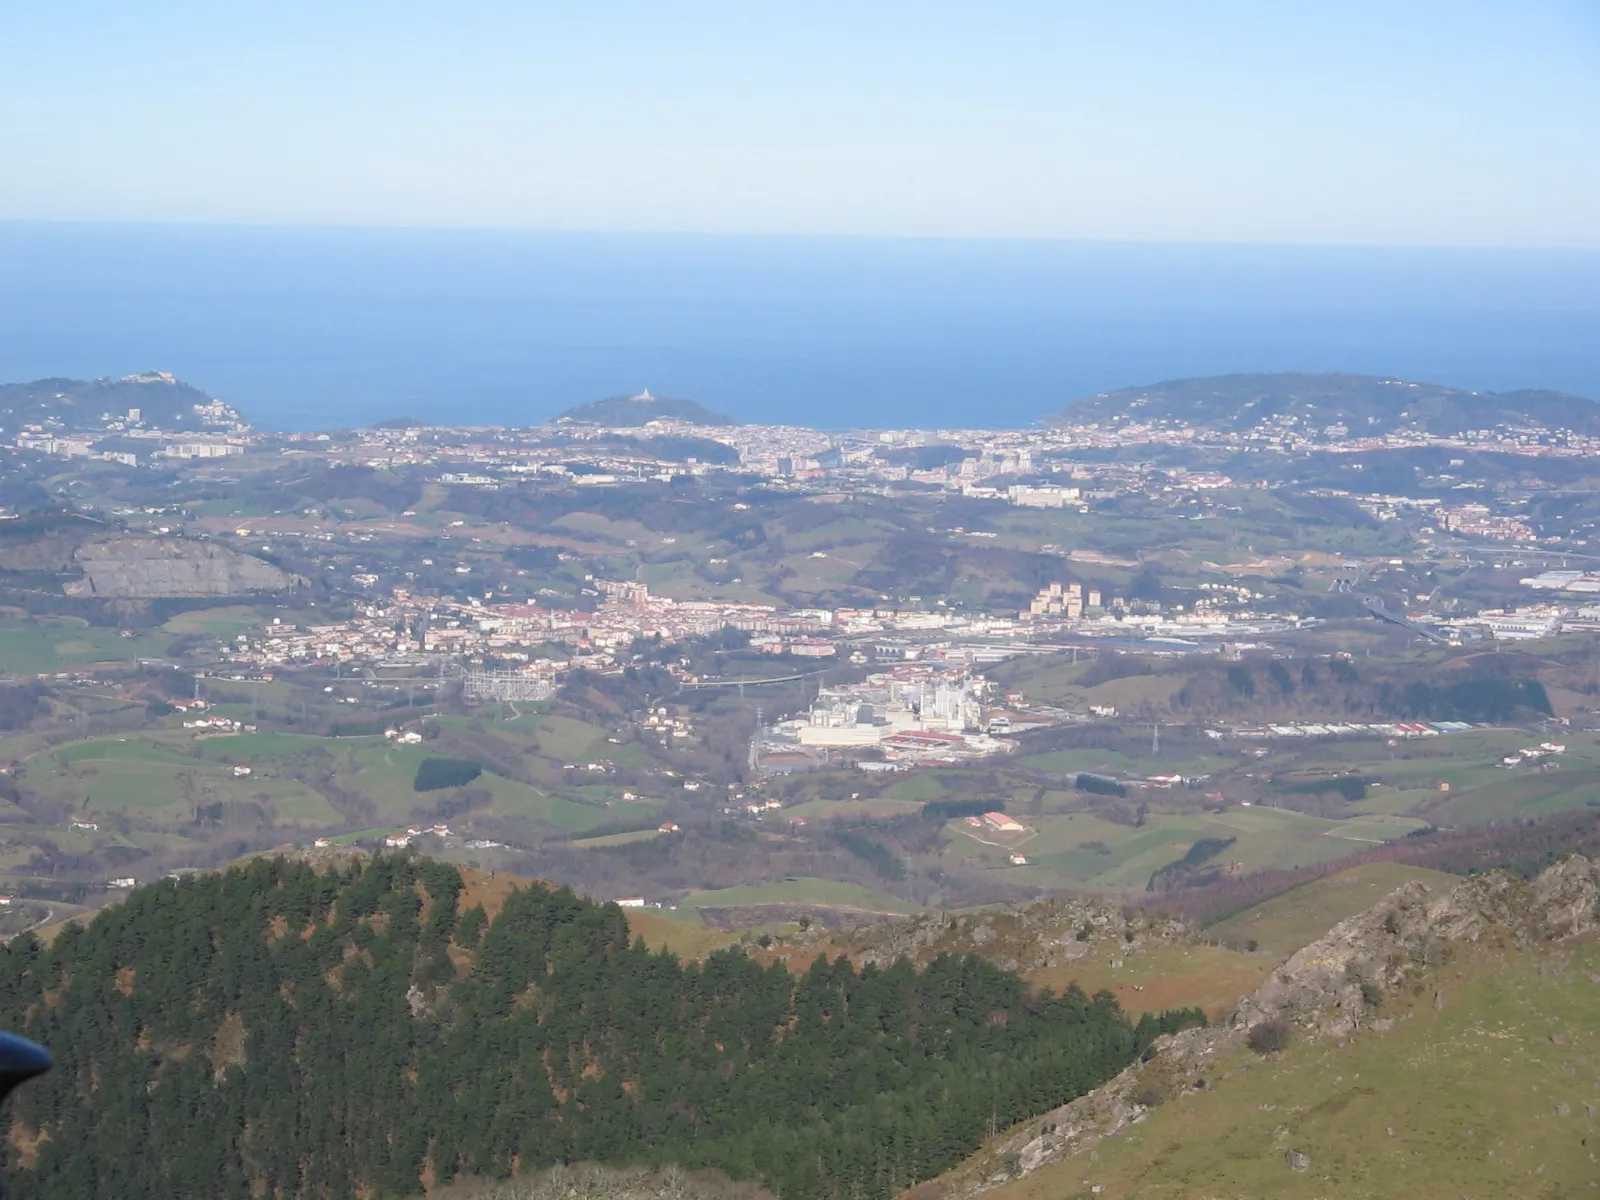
[(325, 328)]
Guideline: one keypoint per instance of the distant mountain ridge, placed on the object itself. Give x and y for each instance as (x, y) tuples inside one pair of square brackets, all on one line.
[(1364, 404), (83, 405), (641, 410)]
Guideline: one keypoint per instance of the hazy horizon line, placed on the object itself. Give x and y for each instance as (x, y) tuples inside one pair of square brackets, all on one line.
[(781, 235)]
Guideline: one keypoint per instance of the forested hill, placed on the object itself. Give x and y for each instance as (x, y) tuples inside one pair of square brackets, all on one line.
[(1364, 404), (355, 1029)]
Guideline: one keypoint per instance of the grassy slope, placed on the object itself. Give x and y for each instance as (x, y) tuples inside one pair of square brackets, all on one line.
[(686, 939), (823, 892), (1299, 917), (1479, 1099), (1264, 837), (1149, 976), (39, 650), (147, 773), (1166, 977)]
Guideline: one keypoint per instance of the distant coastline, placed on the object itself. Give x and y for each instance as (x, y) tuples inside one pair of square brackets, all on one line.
[(309, 329)]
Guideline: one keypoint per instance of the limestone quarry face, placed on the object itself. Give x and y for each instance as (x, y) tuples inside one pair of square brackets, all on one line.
[(152, 568), (1330, 988)]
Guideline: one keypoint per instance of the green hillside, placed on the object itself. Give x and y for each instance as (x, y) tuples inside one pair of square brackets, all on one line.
[(1300, 916), (1494, 1093), (1365, 404)]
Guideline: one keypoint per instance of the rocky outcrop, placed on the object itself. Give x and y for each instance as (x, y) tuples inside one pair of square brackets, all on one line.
[(1331, 988), (1031, 937), (148, 568)]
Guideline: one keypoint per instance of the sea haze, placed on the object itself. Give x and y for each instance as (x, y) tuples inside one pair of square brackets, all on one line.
[(321, 328)]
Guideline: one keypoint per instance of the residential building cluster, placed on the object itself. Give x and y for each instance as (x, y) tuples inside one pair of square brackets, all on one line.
[(1533, 754)]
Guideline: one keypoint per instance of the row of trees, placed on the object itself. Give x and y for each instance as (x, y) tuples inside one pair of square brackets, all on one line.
[(284, 1031)]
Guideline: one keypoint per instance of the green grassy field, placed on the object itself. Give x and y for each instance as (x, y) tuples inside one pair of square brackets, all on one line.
[(797, 891), (39, 651), (382, 770), (566, 740), (1072, 762), (100, 751), (217, 622), (1283, 924), (1516, 795), (921, 786), (294, 802), (1166, 977), (513, 799), (684, 937), (824, 810), (163, 775), (266, 747), (1081, 850), (1403, 781), (145, 786), (1495, 1095), (616, 839)]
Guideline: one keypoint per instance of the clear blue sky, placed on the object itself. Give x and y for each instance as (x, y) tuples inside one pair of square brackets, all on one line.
[(1405, 121)]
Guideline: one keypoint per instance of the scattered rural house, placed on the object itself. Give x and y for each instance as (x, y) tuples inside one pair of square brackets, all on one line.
[(667, 827), (630, 902), (220, 723), (5, 899), (1001, 823), (1533, 753), (241, 771), (1019, 860), (125, 881), (401, 840)]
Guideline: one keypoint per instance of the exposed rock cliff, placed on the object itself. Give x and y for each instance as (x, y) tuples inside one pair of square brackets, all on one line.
[(1331, 988), (1039, 935), (147, 568)]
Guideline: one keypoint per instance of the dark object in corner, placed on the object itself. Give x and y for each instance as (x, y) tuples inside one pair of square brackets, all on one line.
[(20, 1061)]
